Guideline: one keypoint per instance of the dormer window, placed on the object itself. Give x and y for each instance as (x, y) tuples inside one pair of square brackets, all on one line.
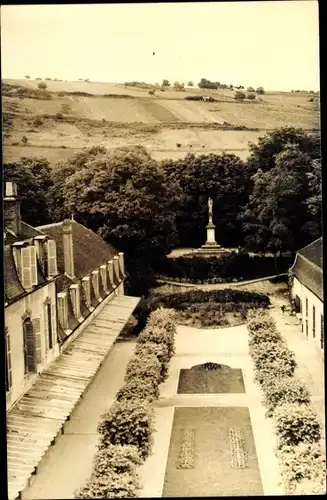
[(95, 283), (75, 298), (104, 277), (40, 243), (51, 258), (28, 266), (87, 290), (63, 309)]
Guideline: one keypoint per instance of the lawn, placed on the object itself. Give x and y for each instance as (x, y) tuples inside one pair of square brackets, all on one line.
[(212, 453), (223, 380)]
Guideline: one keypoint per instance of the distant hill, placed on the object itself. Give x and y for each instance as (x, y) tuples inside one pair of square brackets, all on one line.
[(73, 115)]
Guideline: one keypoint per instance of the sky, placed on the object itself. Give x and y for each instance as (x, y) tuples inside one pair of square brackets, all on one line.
[(274, 44)]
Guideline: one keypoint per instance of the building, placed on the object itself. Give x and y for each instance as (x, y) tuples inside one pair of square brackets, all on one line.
[(307, 291), (64, 309), (30, 271), (91, 274)]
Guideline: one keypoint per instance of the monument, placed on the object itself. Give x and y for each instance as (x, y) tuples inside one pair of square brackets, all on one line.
[(211, 245)]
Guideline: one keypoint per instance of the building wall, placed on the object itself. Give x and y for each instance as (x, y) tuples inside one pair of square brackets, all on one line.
[(32, 305), (307, 317)]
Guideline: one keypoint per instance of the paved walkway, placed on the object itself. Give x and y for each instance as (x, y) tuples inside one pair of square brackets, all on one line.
[(195, 346), (308, 355), (69, 463)]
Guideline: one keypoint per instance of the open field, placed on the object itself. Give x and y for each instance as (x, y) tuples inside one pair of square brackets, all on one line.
[(69, 123)]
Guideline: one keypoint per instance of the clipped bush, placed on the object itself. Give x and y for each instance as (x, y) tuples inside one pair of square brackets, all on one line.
[(111, 485), (116, 458), (284, 390), (258, 320), (296, 423), (303, 467), (274, 370), (138, 388), (128, 422), (162, 352), (145, 366), (271, 352), (164, 317)]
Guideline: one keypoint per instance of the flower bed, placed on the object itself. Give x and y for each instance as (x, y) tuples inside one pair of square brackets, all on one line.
[(126, 429), (288, 402), (226, 300)]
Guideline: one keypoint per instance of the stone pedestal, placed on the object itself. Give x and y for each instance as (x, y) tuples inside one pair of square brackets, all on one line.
[(211, 246)]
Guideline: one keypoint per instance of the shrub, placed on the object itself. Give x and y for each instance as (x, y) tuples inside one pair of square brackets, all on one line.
[(112, 485), (303, 467), (37, 122), (285, 390), (180, 300), (228, 266), (128, 422), (259, 320), (296, 424), (239, 96), (274, 370), (58, 116), (152, 92), (251, 96), (145, 366), (161, 351), (42, 86), (271, 352), (119, 459), (138, 388)]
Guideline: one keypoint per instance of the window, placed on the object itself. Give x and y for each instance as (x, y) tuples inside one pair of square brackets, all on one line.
[(29, 347), (62, 310), (51, 258), (313, 321), (28, 266), (306, 307), (49, 318), (322, 332), (306, 327)]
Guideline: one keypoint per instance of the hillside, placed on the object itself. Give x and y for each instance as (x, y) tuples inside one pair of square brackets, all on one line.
[(80, 114)]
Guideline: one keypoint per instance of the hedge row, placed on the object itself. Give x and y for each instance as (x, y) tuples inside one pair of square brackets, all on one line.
[(227, 300), (126, 428), (288, 401), (229, 267)]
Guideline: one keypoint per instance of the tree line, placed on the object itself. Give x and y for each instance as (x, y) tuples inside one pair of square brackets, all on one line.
[(270, 202)]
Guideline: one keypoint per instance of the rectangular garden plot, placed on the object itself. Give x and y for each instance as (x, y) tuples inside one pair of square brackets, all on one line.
[(212, 453), (199, 380)]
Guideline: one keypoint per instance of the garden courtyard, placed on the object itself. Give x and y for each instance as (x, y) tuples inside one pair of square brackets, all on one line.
[(211, 437)]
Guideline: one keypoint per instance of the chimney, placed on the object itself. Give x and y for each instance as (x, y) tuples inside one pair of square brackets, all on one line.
[(67, 229), (12, 208)]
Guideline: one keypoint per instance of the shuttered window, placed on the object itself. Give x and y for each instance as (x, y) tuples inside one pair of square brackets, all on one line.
[(8, 361), (313, 321), (26, 267), (52, 258), (29, 347), (62, 310), (306, 307), (49, 321)]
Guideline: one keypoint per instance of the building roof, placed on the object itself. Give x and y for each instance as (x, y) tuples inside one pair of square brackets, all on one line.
[(308, 268), (89, 249), (27, 232), (12, 284)]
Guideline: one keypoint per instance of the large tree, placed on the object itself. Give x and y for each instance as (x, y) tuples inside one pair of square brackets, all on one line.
[(263, 154), (276, 214), (33, 179), (222, 177), (123, 194)]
